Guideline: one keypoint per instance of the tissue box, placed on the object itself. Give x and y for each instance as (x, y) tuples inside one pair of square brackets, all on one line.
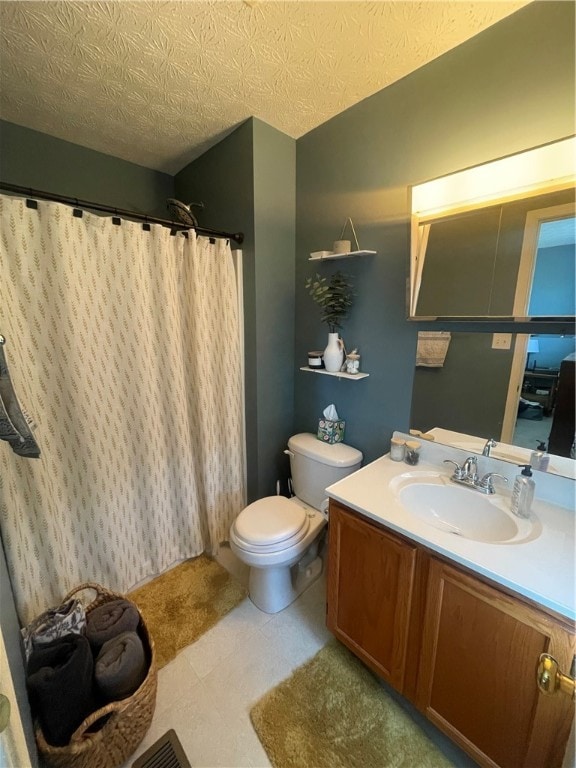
[(331, 431)]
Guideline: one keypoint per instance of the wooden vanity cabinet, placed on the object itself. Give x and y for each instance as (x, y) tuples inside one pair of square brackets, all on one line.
[(371, 578), (463, 650), (477, 676)]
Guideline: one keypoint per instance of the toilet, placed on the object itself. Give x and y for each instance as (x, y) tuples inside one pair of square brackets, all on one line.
[(279, 537)]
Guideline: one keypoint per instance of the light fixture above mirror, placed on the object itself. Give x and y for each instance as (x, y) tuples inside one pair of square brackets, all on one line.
[(485, 240)]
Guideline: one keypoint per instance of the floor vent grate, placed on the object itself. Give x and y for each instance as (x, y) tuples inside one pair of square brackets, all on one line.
[(167, 752)]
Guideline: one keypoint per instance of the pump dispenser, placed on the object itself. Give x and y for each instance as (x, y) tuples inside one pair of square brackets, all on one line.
[(539, 459), (523, 492)]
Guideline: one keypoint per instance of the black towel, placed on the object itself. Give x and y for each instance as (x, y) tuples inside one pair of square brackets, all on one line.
[(110, 620), (120, 667), (59, 681)]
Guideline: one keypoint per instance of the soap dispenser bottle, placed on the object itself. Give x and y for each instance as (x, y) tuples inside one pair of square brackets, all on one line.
[(539, 459), (523, 492)]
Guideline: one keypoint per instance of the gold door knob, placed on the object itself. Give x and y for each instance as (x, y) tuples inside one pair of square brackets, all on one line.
[(550, 679), (4, 712)]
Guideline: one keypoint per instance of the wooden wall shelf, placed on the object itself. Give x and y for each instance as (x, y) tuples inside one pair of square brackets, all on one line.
[(339, 374), (347, 255)]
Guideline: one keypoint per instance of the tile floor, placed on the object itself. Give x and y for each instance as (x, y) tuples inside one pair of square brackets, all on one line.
[(527, 433), (206, 692)]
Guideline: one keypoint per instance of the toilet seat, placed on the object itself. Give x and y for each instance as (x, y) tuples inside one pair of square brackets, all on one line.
[(270, 524)]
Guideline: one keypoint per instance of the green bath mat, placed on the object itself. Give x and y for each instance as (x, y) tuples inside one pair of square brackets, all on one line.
[(186, 601), (333, 713)]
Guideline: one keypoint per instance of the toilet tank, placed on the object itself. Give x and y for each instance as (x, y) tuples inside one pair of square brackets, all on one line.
[(316, 465)]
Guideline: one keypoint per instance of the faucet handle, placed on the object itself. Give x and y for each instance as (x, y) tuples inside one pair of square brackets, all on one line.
[(486, 483), (459, 472)]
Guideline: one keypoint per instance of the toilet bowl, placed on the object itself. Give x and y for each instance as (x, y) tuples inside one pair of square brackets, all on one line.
[(271, 536), (279, 537)]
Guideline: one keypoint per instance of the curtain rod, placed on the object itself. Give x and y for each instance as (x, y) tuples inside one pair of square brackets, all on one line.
[(238, 237)]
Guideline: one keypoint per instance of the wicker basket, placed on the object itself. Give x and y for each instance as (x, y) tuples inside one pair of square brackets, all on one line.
[(127, 722)]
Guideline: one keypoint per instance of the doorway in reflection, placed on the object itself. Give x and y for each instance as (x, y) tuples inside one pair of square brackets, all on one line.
[(554, 273), (543, 397)]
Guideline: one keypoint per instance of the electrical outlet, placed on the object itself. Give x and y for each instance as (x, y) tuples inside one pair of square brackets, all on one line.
[(501, 340)]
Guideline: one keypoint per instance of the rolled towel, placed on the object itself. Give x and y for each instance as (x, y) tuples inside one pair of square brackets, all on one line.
[(120, 667), (60, 686), (110, 620)]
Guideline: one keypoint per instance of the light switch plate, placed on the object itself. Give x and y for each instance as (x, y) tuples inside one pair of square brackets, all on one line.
[(501, 340)]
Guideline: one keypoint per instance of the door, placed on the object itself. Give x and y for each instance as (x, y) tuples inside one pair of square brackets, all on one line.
[(477, 680), (370, 591), (17, 747), (13, 748)]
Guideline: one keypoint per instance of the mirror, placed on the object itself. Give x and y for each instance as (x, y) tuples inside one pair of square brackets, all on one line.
[(483, 251), (520, 395)]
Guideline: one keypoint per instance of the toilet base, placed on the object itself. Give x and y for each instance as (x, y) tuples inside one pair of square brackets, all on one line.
[(273, 589)]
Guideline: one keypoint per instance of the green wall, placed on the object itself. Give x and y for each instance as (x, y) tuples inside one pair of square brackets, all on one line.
[(223, 179), (508, 89), (33, 159), (247, 183), (275, 219), (452, 398)]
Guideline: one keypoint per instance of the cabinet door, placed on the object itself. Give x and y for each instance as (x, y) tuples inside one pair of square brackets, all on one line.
[(370, 587), (477, 679)]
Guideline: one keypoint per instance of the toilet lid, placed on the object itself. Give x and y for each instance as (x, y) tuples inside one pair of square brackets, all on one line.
[(270, 521)]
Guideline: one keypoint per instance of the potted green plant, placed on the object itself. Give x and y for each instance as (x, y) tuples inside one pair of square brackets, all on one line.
[(334, 296)]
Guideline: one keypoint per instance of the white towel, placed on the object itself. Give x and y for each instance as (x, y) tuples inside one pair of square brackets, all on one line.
[(432, 348)]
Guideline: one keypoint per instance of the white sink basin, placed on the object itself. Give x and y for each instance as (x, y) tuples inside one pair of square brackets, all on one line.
[(436, 501)]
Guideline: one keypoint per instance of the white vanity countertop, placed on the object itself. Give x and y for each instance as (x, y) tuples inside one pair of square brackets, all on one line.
[(542, 569)]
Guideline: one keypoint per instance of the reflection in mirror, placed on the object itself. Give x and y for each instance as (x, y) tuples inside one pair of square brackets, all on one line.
[(557, 465), (521, 398), (546, 283), (483, 250)]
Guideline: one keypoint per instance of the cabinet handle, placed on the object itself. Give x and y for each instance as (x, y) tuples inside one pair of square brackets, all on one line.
[(550, 679)]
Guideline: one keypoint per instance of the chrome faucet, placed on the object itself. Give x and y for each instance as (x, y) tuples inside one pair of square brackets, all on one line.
[(490, 443), (471, 469), (467, 474)]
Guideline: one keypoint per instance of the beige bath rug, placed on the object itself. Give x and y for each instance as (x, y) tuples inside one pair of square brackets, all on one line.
[(186, 601), (333, 713)]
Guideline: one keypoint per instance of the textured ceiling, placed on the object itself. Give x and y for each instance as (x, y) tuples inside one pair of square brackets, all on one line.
[(158, 83)]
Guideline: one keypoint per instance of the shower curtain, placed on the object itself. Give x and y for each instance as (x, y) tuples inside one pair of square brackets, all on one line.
[(124, 346)]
